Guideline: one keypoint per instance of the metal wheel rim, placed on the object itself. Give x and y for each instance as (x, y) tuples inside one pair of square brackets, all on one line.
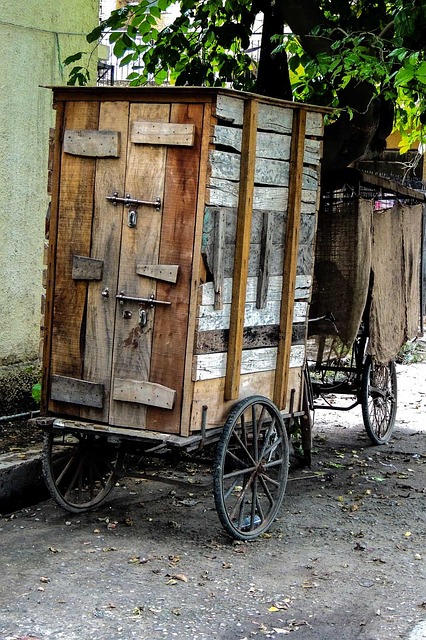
[(251, 473), (79, 469), (379, 401)]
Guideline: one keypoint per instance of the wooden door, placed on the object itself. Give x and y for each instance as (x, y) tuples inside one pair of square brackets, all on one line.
[(122, 285)]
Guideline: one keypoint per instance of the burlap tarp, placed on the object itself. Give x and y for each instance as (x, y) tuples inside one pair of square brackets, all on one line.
[(395, 298), (353, 241), (342, 268)]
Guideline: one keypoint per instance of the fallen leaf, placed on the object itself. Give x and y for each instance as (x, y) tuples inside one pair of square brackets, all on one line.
[(171, 581), (180, 576), (273, 609), (407, 534), (227, 565), (44, 579)]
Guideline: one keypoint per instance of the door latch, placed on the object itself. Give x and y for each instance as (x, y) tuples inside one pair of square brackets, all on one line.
[(128, 201)]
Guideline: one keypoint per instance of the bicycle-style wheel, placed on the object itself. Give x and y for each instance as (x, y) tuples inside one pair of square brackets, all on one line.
[(79, 469), (251, 468), (379, 400)]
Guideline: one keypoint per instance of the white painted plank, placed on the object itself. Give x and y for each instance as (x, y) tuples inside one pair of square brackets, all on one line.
[(275, 118), (225, 165), (210, 319), (303, 286), (213, 365), (224, 193)]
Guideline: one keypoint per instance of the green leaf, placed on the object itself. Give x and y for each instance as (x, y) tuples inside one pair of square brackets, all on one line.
[(404, 75), (74, 58)]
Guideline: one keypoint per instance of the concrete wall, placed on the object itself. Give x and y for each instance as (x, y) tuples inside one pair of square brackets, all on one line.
[(34, 38)]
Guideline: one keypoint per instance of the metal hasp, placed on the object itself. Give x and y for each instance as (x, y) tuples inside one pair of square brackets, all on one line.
[(128, 201), (151, 300)]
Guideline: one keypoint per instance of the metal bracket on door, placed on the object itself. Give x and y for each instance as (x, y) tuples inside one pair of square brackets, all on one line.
[(128, 201), (151, 300)]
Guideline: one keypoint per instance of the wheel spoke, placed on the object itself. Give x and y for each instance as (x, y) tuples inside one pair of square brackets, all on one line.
[(239, 472), (251, 471)]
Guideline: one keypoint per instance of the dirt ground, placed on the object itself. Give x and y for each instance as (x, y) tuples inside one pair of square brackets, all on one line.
[(344, 560)]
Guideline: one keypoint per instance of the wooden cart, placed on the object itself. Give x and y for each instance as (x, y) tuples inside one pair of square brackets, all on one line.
[(180, 266)]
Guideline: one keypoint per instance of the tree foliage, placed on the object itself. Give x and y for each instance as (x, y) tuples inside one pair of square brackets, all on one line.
[(365, 58)]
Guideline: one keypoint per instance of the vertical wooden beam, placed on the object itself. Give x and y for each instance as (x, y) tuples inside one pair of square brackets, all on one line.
[(242, 249), (290, 257), (188, 383), (51, 268)]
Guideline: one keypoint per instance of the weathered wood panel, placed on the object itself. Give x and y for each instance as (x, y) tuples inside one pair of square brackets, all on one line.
[(209, 393), (106, 240), (210, 319), (143, 392), (85, 268), (269, 145), (92, 143), (132, 342), (278, 223), (213, 365), (302, 291), (246, 171), (264, 261), (271, 117), (75, 212), (168, 133), (165, 272), (226, 166), (224, 193), (176, 247), (284, 354), (198, 270), (77, 392), (253, 338)]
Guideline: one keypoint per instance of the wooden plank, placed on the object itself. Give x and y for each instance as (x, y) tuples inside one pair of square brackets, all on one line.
[(269, 145), (283, 361), (177, 238), (198, 270), (225, 165), (264, 261), (212, 319), (92, 143), (302, 292), (85, 268), (242, 248), (214, 365), (218, 257), (164, 272), (143, 392), (224, 193), (106, 240), (168, 133), (75, 210), (216, 341), (307, 230), (74, 391), (209, 393), (51, 258), (132, 342)]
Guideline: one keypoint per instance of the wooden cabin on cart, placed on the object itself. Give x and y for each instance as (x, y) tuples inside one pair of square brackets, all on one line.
[(181, 257)]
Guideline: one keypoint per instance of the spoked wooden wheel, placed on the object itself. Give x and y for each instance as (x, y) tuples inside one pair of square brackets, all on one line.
[(251, 468), (378, 400), (79, 469)]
